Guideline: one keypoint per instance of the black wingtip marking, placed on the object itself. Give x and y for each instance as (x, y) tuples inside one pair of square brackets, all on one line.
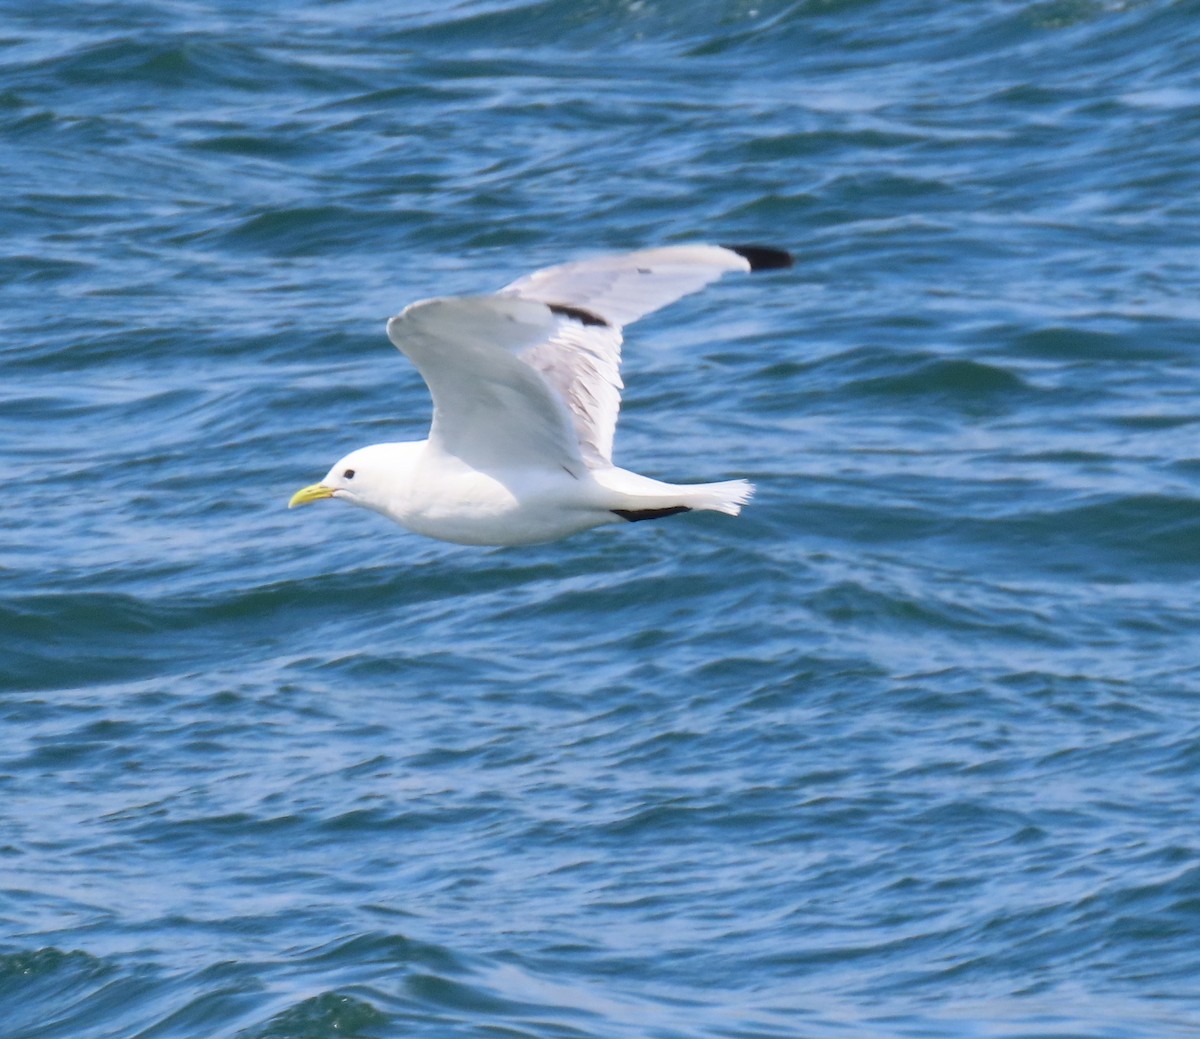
[(585, 317), (636, 515), (762, 257)]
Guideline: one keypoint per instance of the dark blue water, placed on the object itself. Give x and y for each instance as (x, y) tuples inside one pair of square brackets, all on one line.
[(910, 747)]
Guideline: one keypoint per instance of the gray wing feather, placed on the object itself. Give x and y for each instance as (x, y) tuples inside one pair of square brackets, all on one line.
[(532, 374), (582, 360), (490, 408)]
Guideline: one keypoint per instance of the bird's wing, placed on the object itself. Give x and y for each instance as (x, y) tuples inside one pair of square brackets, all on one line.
[(490, 408), (597, 297), (531, 375)]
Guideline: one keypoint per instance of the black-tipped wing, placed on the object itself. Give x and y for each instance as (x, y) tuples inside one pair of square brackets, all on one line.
[(532, 375), (602, 295)]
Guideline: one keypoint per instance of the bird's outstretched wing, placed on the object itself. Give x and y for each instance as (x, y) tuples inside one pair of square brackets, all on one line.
[(602, 295), (531, 375), (490, 408)]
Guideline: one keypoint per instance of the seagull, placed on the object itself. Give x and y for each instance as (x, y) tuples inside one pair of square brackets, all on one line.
[(526, 387)]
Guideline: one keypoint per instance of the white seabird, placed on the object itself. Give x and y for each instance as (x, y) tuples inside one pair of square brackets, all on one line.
[(526, 387)]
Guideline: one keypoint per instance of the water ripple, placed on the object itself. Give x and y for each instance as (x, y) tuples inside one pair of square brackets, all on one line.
[(909, 747)]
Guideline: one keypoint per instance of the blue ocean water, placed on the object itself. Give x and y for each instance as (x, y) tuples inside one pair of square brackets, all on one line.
[(911, 747)]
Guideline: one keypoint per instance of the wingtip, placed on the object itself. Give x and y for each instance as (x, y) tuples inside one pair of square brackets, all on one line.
[(762, 257)]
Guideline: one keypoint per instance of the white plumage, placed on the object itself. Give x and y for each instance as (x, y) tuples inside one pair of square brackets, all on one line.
[(526, 388)]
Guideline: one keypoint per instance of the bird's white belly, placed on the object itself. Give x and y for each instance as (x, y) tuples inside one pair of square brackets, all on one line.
[(475, 508)]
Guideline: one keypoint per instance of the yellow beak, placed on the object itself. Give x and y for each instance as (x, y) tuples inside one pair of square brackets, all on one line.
[(306, 495)]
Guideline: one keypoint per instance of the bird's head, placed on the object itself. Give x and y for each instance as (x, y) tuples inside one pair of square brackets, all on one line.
[(366, 477)]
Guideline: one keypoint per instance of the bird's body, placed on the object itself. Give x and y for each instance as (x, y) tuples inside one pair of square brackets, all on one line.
[(439, 495), (526, 387)]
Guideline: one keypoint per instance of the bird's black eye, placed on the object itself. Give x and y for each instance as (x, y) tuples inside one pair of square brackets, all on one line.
[(349, 474)]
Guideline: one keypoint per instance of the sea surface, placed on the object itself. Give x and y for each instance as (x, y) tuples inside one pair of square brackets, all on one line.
[(912, 747)]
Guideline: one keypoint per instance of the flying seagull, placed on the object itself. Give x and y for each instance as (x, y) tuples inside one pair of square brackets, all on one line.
[(526, 386)]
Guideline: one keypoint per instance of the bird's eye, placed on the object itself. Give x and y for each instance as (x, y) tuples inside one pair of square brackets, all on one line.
[(349, 474)]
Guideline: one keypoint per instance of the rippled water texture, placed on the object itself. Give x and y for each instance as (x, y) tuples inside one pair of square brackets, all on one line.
[(910, 747)]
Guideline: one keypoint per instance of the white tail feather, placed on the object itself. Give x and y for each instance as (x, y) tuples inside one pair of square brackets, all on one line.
[(728, 496), (630, 491)]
